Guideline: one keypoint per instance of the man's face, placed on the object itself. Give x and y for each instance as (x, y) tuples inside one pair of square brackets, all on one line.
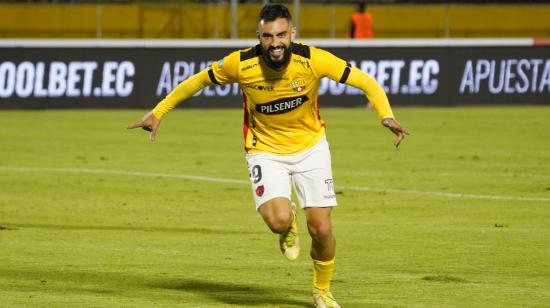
[(275, 38)]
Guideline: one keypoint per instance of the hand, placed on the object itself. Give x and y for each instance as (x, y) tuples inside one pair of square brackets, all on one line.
[(149, 123), (397, 129)]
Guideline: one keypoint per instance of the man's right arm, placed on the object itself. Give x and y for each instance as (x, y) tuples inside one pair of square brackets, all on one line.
[(221, 72), (218, 73), (182, 91), (187, 88)]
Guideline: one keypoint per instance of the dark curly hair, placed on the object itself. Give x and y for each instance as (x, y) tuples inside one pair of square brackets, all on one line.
[(270, 12)]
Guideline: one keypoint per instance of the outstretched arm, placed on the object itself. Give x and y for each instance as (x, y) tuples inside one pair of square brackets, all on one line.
[(151, 121), (379, 100), (339, 71)]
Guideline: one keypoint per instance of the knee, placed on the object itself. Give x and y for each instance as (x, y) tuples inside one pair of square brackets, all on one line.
[(277, 214), (278, 223), (321, 232)]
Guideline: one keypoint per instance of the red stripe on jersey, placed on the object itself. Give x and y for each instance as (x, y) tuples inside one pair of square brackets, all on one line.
[(245, 121), (319, 113)]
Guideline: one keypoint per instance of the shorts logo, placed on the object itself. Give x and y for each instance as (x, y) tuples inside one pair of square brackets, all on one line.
[(330, 189), (330, 184), (260, 190), (282, 106), (298, 85)]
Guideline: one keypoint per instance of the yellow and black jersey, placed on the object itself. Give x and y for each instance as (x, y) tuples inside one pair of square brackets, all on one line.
[(281, 108)]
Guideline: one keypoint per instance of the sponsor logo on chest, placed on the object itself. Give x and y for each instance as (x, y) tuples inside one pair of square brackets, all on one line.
[(250, 66), (259, 87), (282, 105)]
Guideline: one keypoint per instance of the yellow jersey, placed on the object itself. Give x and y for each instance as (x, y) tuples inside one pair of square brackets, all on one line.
[(281, 107)]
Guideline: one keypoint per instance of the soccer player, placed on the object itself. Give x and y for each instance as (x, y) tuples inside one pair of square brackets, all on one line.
[(284, 135)]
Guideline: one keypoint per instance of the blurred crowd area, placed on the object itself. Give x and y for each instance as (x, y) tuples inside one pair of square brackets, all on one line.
[(222, 19)]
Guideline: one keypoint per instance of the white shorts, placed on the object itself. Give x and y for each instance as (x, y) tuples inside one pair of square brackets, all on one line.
[(310, 173)]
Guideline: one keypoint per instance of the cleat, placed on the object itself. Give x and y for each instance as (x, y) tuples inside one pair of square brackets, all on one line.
[(289, 241), (324, 299)]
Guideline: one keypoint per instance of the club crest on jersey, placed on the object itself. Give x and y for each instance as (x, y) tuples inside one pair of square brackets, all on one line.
[(282, 105), (260, 190), (298, 85)]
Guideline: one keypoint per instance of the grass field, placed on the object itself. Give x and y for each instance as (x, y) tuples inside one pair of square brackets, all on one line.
[(92, 214)]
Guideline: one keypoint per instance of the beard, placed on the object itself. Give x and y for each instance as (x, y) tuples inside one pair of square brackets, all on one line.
[(276, 63)]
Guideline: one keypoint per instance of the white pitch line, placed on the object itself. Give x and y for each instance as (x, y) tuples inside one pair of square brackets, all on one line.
[(234, 181), (446, 194), (124, 172), (453, 174)]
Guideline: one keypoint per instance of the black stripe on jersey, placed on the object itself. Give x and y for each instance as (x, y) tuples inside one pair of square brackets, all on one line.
[(301, 50), (212, 77), (251, 53), (345, 75)]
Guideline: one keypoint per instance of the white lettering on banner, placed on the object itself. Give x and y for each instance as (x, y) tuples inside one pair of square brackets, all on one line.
[(124, 87), (545, 80), (173, 74), (7, 79), (388, 73), (181, 71), (39, 90), (25, 79), (74, 79), (393, 75), (506, 76), (336, 88), (58, 76), (89, 68), (422, 78), (523, 64), (70, 79), (165, 81), (108, 78), (223, 90)]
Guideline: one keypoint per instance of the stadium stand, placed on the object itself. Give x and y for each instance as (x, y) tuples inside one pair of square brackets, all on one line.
[(180, 19)]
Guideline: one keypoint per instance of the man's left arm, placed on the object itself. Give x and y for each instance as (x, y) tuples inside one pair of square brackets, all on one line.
[(377, 97), (325, 64)]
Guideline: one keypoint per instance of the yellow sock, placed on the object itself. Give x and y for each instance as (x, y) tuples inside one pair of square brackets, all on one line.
[(322, 273)]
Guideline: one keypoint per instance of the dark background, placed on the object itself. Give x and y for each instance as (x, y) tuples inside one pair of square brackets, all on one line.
[(149, 61)]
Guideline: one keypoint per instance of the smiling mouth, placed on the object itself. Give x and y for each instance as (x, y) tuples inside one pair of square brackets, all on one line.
[(276, 52)]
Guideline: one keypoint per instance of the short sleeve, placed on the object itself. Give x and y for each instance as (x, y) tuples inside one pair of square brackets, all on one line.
[(225, 70), (325, 64)]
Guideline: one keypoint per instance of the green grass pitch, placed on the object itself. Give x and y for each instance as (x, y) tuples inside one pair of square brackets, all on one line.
[(92, 214)]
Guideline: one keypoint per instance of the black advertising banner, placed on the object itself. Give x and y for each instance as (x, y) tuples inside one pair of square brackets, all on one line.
[(138, 77)]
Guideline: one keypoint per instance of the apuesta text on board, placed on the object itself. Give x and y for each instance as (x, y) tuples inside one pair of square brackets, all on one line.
[(112, 78), (116, 78)]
